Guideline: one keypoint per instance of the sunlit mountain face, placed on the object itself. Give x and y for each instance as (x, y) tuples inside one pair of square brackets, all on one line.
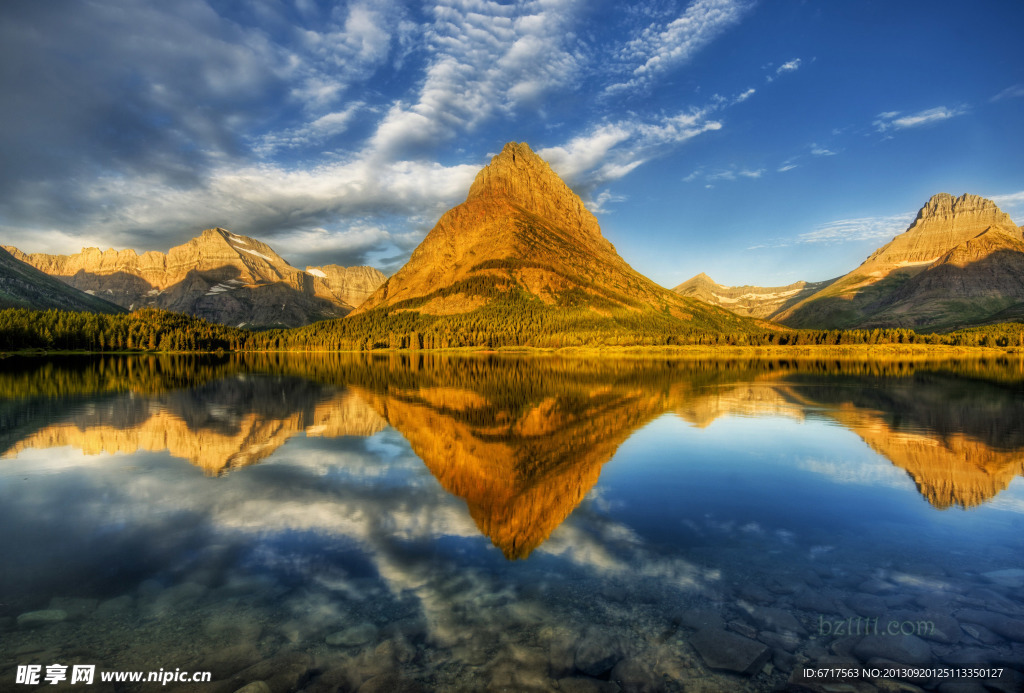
[(462, 521)]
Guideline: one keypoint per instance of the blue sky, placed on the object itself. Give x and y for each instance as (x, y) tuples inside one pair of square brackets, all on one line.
[(760, 142)]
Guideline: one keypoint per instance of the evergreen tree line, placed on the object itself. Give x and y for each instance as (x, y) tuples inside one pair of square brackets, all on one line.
[(504, 324)]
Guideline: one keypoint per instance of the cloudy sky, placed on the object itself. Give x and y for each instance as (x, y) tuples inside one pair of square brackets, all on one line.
[(758, 141)]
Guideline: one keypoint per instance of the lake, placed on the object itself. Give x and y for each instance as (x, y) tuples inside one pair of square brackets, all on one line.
[(500, 522)]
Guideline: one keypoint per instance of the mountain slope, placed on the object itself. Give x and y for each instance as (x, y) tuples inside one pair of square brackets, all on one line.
[(958, 264), (23, 286), (523, 243), (218, 276), (749, 301), (351, 285)]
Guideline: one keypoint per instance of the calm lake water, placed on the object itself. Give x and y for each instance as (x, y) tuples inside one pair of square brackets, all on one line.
[(343, 523)]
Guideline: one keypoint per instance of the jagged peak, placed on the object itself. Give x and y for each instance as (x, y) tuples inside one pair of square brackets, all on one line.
[(218, 231), (519, 176), (515, 162), (945, 205)]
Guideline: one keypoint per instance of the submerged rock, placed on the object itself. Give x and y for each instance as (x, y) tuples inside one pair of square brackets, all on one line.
[(284, 672), (255, 687), (77, 608), (698, 618), (779, 620), (598, 652), (1006, 626), (44, 617), (354, 636), (585, 684), (390, 683), (115, 606), (727, 651), (636, 676), (904, 649)]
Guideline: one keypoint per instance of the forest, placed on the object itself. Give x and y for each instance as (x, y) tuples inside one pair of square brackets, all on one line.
[(505, 324)]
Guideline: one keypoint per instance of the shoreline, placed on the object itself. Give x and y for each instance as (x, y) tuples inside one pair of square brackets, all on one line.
[(867, 351)]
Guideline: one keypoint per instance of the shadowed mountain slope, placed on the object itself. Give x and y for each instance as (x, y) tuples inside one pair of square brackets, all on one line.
[(23, 286), (960, 263), (218, 276)]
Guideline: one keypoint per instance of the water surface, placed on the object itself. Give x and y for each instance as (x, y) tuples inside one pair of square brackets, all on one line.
[(330, 523)]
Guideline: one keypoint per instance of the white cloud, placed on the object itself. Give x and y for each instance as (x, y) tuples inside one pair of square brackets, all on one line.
[(786, 167), (744, 96), (791, 66), (319, 130), (821, 151), (729, 174), (349, 47), (892, 119), (659, 48), (860, 229), (287, 208), (1012, 92), (590, 152), (1011, 201), (846, 231), (612, 150), (599, 204), (488, 59)]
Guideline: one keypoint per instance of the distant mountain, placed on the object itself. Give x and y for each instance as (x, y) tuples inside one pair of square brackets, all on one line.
[(23, 286), (351, 285), (749, 301), (218, 276), (523, 233), (960, 263)]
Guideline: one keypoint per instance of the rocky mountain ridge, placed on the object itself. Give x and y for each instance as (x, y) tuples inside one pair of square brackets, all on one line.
[(351, 285), (219, 276), (749, 301), (523, 232), (24, 286), (960, 263)]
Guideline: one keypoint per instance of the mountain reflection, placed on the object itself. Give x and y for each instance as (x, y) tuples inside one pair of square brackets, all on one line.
[(521, 440), (233, 421), (521, 469), (960, 440)]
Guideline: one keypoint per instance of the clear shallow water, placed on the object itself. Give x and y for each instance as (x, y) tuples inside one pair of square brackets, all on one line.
[(336, 523)]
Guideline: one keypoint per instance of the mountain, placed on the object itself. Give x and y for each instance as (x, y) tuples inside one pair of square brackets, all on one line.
[(960, 263), (350, 285), (749, 301), (218, 276), (524, 241), (23, 286)]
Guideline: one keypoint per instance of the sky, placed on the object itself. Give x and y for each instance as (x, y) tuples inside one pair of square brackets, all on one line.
[(762, 142)]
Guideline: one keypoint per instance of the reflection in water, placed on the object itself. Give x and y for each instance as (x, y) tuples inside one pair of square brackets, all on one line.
[(229, 423), (659, 546), (960, 443), (523, 469), (521, 441)]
